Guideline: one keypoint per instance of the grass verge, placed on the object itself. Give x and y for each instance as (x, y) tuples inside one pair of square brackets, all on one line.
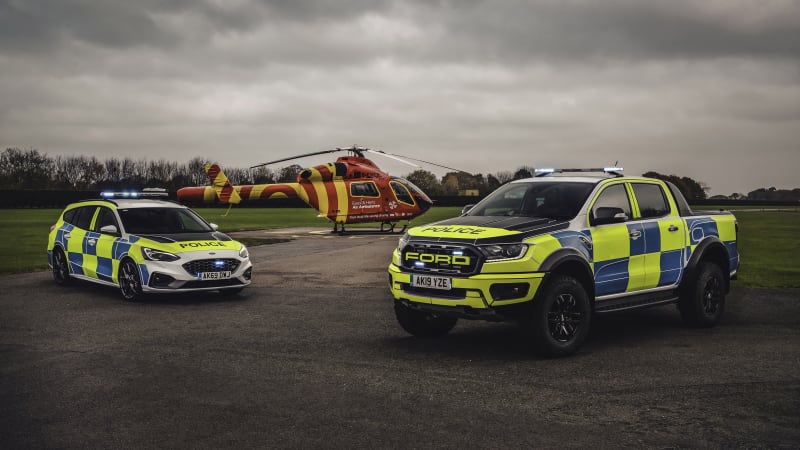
[(768, 241)]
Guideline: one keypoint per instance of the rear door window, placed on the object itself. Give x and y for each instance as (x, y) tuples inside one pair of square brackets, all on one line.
[(83, 218), (651, 200)]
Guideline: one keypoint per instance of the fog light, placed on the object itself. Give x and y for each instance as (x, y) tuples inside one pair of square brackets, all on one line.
[(509, 291), (159, 280), (248, 273)]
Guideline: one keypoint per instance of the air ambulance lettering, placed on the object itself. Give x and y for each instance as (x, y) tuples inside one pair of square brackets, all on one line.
[(202, 244)]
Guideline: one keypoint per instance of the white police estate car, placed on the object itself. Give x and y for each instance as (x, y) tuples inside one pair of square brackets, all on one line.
[(144, 245)]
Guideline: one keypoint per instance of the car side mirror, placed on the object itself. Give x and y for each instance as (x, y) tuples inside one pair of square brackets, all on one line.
[(466, 209), (606, 214), (109, 229), (214, 226)]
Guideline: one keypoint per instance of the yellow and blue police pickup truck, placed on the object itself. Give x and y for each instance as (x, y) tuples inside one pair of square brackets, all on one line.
[(144, 245), (551, 251)]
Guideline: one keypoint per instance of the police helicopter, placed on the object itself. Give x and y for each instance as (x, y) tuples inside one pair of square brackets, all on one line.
[(353, 189)]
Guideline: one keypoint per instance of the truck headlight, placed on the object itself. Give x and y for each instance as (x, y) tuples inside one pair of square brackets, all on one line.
[(403, 241), (152, 254), (497, 252)]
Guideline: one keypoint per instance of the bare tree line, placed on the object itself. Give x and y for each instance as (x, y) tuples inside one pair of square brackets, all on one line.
[(31, 169)]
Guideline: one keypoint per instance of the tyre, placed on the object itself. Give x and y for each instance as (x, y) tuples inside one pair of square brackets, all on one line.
[(61, 268), (130, 282), (703, 302), (423, 324), (559, 320)]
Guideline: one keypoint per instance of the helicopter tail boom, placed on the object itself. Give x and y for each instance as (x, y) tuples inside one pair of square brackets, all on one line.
[(222, 185)]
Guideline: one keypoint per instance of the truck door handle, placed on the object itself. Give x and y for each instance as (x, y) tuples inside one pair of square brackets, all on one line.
[(673, 228), (636, 234)]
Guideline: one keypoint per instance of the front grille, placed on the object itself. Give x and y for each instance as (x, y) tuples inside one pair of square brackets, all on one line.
[(211, 265), (443, 259)]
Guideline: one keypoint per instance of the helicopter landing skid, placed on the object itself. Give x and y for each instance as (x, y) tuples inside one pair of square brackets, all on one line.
[(386, 228)]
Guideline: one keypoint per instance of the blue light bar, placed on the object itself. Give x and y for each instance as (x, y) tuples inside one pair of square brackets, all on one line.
[(150, 192)]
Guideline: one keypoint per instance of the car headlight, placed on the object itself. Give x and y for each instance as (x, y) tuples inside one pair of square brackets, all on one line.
[(403, 241), (498, 252), (152, 254), (243, 252)]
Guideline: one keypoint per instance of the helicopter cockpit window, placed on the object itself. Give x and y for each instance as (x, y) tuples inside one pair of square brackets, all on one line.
[(559, 201), (365, 189), (410, 185), (401, 192)]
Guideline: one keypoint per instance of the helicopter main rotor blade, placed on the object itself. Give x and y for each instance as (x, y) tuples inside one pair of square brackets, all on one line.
[(394, 157), (321, 152), (420, 160)]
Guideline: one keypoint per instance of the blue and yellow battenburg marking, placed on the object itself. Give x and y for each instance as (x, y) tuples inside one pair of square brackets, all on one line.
[(656, 258)]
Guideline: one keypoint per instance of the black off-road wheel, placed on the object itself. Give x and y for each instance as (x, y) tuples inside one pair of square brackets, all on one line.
[(559, 320), (130, 282), (703, 302), (423, 324), (61, 268)]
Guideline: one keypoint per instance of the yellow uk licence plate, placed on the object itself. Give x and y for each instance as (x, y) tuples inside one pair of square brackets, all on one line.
[(431, 281)]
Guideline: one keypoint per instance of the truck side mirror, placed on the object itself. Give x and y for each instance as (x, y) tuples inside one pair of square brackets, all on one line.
[(607, 214)]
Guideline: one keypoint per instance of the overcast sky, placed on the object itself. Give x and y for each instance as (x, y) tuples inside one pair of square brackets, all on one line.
[(708, 89)]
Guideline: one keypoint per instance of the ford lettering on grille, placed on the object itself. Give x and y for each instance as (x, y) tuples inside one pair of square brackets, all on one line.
[(441, 259)]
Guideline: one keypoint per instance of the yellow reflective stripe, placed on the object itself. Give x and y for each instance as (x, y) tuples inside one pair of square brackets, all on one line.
[(634, 203), (90, 265), (672, 240), (615, 242), (543, 246), (652, 270), (75, 242), (636, 271), (725, 227), (104, 246), (344, 202), (94, 218)]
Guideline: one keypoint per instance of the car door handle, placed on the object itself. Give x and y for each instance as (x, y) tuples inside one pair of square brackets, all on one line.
[(91, 241), (636, 234), (673, 228), (67, 235)]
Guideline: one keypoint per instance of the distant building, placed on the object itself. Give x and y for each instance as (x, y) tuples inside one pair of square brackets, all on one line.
[(469, 193)]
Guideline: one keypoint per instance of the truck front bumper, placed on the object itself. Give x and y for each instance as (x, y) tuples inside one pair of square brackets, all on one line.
[(478, 295)]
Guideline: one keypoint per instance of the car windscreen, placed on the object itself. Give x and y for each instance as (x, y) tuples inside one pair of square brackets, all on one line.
[(161, 221), (553, 200)]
